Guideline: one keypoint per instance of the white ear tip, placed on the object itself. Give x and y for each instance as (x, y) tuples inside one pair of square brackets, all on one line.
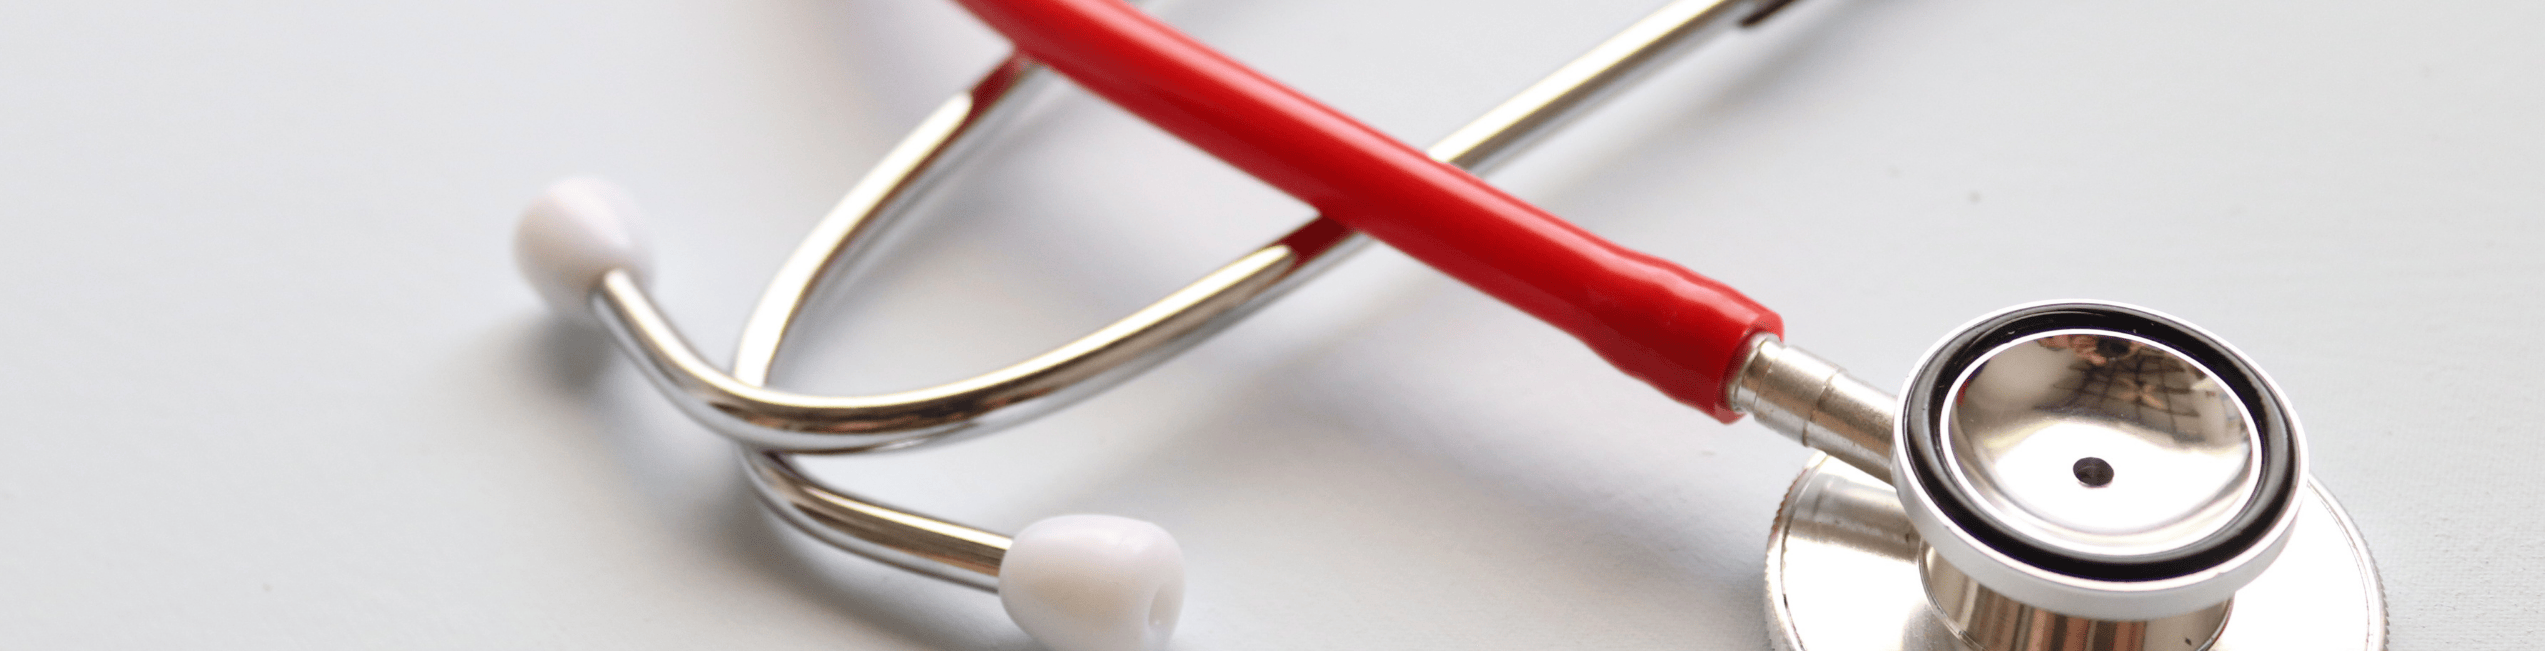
[(577, 232), (1094, 583)]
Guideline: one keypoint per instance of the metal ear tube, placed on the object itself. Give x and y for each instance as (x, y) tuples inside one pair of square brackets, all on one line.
[(2059, 476), (578, 247)]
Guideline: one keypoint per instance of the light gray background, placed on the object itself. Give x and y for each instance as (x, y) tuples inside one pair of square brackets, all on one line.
[(273, 383)]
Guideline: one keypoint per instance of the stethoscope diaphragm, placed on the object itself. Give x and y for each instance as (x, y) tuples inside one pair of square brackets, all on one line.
[(2097, 459)]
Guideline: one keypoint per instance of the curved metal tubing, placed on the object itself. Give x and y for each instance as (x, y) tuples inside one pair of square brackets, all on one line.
[(771, 423), (746, 411), (781, 420), (954, 552)]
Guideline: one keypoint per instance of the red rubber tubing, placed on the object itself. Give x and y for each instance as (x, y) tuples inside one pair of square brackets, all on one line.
[(1655, 320)]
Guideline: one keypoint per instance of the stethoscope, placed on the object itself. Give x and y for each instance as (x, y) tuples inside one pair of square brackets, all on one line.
[(2058, 475)]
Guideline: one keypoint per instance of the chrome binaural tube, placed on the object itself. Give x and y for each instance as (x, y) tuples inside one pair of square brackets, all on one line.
[(738, 406), (897, 537), (772, 423), (782, 420)]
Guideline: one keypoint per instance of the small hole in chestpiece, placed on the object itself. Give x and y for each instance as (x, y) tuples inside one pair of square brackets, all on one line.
[(2094, 472)]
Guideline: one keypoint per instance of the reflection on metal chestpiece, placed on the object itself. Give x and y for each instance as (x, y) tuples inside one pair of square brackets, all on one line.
[(1844, 574), (2102, 444), (1992, 622), (2068, 476), (2204, 455)]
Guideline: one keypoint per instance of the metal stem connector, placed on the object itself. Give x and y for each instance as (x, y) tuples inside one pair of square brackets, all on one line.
[(1816, 403)]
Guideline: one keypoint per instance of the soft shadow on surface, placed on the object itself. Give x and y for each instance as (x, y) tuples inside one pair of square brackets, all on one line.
[(1682, 106), (571, 356)]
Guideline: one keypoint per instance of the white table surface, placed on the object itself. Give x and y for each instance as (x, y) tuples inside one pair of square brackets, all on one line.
[(274, 383)]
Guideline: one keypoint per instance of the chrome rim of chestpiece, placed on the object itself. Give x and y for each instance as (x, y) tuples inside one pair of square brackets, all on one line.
[(1847, 572), (2098, 459), (2063, 476)]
